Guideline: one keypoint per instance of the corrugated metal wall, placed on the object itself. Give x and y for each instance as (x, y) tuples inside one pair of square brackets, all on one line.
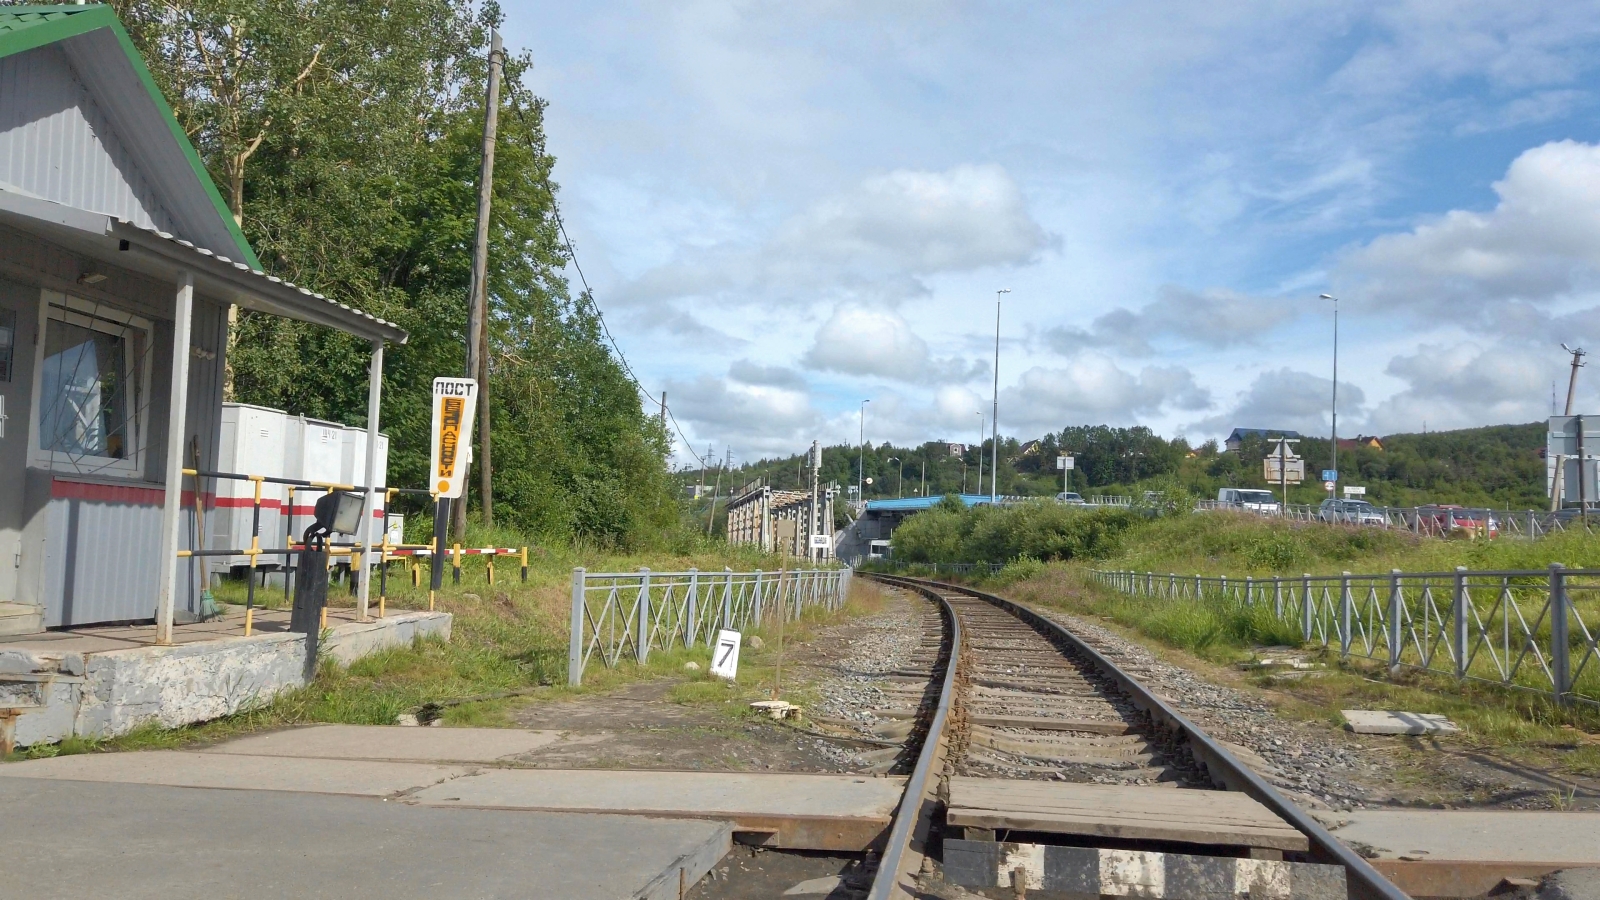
[(103, 554), (57, 144)]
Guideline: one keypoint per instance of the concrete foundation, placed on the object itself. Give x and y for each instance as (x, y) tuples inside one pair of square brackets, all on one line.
[(57, 686)]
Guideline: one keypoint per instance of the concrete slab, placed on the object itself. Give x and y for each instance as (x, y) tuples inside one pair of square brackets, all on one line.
[(1377, 721), (1460, 834), (392, 742), (799, 811), (102, 682), (66, 840), (179, 768)]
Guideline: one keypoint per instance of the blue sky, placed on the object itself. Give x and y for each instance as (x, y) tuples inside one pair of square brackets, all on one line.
[(787, 208)]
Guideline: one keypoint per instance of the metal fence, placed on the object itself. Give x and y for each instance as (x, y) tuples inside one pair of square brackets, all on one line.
[(1528, 630), (895, 565), (625, 615), (1431, 520)]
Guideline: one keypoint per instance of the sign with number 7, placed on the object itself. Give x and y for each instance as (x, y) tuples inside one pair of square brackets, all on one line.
[(725, 656)]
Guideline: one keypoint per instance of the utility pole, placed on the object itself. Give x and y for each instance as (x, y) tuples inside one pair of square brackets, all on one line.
[(861, 462), (994, 469), (663, 410), (478, 308), (924, 474), (816, 513), (1572, 391)]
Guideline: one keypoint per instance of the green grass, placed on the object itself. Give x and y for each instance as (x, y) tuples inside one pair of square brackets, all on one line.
[(507, 639)]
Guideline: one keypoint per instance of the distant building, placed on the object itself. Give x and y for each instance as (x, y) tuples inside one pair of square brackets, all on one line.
[(1366, 440), (1239, 434), (957, 449), (1030, 448)]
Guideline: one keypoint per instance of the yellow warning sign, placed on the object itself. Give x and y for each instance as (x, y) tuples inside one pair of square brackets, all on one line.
[(454, 401)]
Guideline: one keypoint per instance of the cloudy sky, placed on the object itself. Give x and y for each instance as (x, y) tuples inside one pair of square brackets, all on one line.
[(786, 208)]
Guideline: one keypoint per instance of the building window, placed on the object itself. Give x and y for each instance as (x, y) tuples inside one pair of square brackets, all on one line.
[(92, 387)]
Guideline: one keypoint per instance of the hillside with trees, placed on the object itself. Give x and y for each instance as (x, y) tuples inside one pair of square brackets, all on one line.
[(1499, 465)]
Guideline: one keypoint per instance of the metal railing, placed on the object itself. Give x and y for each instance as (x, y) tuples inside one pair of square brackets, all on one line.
[(1429, 520), (895, 565), (377, 555), (625, 615), (1522, 629)]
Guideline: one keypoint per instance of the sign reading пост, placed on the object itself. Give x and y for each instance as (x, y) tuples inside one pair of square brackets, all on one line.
[(454, 401)]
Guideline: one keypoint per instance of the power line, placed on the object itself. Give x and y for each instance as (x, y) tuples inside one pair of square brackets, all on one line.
[(572, 254)]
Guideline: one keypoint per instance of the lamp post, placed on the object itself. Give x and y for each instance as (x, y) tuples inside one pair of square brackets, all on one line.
[(982, 424), (896, 461), (994, 468), (1335, 420), (861, 460)]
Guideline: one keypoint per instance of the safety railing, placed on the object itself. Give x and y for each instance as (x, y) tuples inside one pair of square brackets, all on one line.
[(895, 565), (1529, 630), (619, 616), (1428, 520), (382, 553)]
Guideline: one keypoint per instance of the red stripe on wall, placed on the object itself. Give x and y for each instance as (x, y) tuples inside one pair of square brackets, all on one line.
[(156, 496), (108, 493)]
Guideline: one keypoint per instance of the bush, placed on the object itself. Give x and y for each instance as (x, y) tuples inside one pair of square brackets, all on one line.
[(1040, 530)]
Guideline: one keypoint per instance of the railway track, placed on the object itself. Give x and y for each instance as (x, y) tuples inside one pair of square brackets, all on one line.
[(1039, 764)]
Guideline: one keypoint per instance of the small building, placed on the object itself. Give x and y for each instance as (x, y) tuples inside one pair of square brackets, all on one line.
[(1236, 438), (1365, 441), (118, 265), (781, 521)]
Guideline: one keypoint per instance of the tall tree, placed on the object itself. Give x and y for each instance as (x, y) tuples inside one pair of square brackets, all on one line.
[(347, 133)]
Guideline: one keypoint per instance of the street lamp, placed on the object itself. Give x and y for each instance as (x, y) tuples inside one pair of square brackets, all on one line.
[(1335, 422), (982, 424), (861, 461), (898, 492), (994, 469)]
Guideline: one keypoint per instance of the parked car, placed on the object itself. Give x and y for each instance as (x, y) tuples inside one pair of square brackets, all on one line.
[(1445, 519), (1249, 499), (1355, 512), (1070, 498)]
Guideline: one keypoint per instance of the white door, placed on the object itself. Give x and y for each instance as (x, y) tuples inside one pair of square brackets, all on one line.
[(19, 310)]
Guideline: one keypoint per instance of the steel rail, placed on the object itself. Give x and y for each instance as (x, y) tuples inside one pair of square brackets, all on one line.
[(1364, 882), (887, 878)]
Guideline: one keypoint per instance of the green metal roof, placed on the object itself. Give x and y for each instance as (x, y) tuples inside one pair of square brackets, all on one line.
[(26, 27)]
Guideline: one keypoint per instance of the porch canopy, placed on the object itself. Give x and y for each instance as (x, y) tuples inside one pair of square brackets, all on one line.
[(124, 245)]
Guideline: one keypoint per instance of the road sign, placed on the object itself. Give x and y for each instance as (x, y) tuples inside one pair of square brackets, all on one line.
[(454, 401), (725, 656), (1327, 485), (1064, 462), (1330, 475), (1355, 491), (1295, 466), (820, 542)]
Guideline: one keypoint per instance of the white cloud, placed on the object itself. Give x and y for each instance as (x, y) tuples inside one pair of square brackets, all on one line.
[(1215, 318), (1540, 243), (755, 419), (856, 341), (1464, 385), (1291, 400), (1092, 388), (880, 239)]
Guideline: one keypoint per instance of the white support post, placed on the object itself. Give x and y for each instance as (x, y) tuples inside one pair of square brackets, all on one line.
[(177, 406), (370, 506)]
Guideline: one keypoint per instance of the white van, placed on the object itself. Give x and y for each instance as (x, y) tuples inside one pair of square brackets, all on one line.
[(1249, 499)]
